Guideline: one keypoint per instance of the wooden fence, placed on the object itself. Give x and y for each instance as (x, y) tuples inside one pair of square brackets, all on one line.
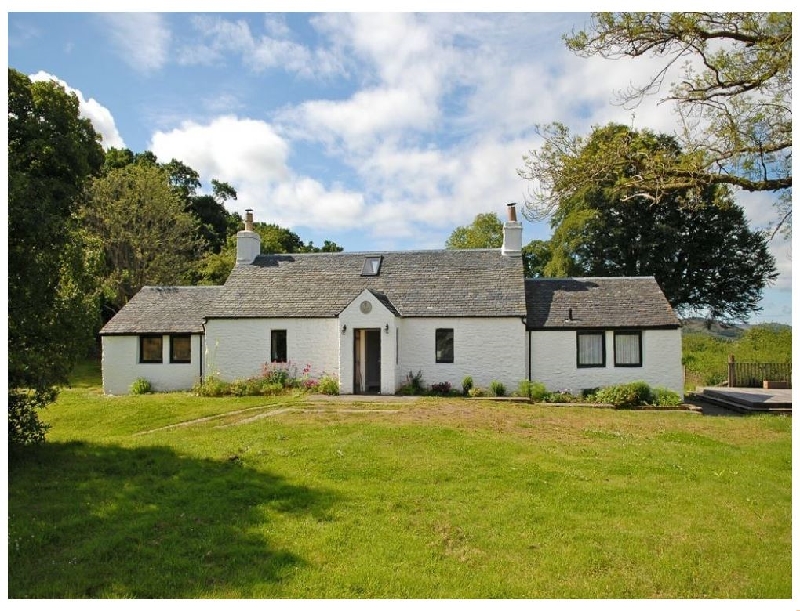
[(753, 375)]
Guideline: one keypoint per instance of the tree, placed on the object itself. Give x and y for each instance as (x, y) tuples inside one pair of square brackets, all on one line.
[(486, 231), (139, 224), (51, 152), (734, 101), (536, 254), (214, 268), (697, 245)]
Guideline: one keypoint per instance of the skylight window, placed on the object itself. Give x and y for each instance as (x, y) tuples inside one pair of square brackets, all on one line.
[(372, 266)]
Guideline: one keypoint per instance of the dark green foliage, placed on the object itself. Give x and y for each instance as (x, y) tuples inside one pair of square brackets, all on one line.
[(535, 391), (51, 152), (695, 242), (466, 385), (498, 388), (413, 384), (141, 231)]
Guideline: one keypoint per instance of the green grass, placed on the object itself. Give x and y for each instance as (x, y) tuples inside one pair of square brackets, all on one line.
[(436, 498)]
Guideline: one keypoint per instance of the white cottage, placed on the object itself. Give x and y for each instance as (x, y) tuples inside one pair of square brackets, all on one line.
[(369, 319)]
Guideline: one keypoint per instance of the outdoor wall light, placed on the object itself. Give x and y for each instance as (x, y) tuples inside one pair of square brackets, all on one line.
[(386, 328), (344, 328)]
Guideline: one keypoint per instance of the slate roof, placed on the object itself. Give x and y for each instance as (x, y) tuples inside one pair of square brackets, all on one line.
[(164, 309), (436, 283), (597, 303)]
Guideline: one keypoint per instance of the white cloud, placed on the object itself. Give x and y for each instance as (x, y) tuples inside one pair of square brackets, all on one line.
[(274, 49), (228, 148), (364, 118), (252, 157), (91, 109), (142, 39)]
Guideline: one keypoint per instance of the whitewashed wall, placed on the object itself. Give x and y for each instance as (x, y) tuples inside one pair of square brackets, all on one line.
[(238, 348), (553, 362), (485, 348), (121, 366)]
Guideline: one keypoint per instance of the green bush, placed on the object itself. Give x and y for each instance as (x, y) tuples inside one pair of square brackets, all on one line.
[(328, 385), (625, 396), (535, 391), (212, 386), (413, 385), (141, 386), (466, 385), (498, 388), (476, 392), (662, 397)]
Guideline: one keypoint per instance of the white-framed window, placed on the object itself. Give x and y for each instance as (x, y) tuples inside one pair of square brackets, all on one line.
[(590, 347), (627, 348)]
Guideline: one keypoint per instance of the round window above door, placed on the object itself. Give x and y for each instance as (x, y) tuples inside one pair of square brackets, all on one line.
[(365, 307)]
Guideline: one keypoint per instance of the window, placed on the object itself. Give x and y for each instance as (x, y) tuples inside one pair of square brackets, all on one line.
[(180, 348), (372, 266), (444, 345), (591, 349), (150, 349), (277, 353), (628, 348)]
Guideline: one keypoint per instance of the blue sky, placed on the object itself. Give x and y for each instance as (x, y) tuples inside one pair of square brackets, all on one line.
[(377, 131)]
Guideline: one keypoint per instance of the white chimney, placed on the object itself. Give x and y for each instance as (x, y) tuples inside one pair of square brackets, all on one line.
[(512, 234), (248, 242)]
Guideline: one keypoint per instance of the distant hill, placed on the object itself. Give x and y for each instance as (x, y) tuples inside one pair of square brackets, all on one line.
[(724, 331)]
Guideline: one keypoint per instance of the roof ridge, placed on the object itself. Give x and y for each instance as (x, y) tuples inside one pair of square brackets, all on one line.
[(377, 252)]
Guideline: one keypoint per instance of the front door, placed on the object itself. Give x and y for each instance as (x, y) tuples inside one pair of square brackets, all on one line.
[(367, 360)]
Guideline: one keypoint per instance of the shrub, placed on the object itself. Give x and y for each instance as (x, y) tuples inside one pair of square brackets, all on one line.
[(141, 386), (413, 384), (662, 397), (278, 373), (498, 388), (466, 385), (476, 392), (212, 386), (442, 388), (535, 391), (328, 385), (625, 396), (561, 396)]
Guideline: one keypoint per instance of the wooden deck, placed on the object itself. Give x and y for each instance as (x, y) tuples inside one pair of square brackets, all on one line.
[(750, 400)]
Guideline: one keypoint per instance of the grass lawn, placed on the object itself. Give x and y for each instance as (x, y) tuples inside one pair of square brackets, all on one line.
[(288, 497)]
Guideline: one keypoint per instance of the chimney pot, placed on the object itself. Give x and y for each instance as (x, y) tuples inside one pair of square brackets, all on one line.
[(248, 219), (512, 212)]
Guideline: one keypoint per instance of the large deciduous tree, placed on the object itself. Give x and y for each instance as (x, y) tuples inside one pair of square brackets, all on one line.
[(141, 227), (733, 99), (51, 152), (696, 243)]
